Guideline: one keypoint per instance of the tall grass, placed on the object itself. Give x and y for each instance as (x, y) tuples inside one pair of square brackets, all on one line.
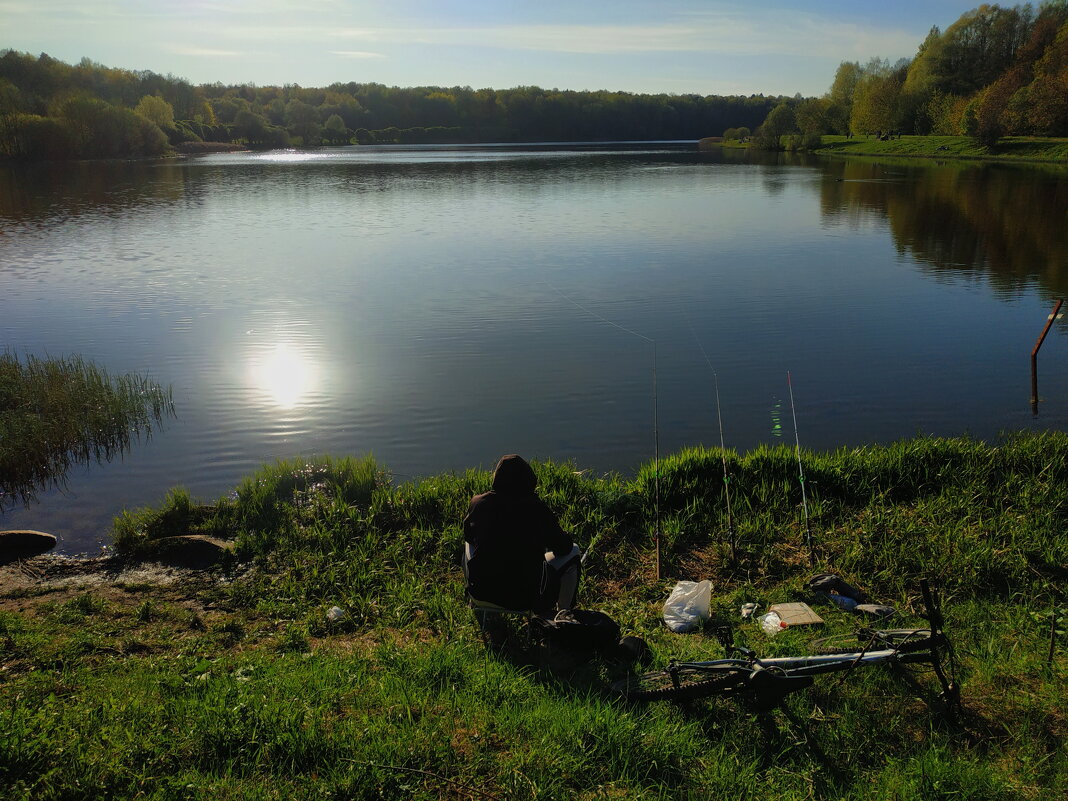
[(975, 518), (59, 412), (259, 695)]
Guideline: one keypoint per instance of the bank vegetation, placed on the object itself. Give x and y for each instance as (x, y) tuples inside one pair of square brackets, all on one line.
[(996, 72), (246, 686), (53, 110)]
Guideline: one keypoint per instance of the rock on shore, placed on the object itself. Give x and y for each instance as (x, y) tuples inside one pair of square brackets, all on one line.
[(24, 544)]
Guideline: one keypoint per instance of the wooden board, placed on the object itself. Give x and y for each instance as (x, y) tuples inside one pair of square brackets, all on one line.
[(797, 614)]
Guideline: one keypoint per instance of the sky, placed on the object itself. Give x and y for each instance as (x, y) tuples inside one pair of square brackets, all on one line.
[(706, 47)]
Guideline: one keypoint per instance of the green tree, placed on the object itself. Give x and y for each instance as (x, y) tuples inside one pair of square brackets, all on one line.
[(253, 128), (227, 108), (919, 87), (946, 114), (812, 116), (43, 138), (875, 100), (155, 109), (203, 113), (275, 111), (1047, 112), (780, 122), (302, 120), (977, 48), (11, 144), (840, 97), (335, 132)]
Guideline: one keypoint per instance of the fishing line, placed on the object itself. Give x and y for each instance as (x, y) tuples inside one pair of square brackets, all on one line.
[(801, 473), (722, 445), (656, 426)]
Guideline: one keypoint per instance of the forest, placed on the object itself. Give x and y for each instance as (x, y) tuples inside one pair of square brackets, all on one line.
[(53, 110), (997, 71), (994, 72)]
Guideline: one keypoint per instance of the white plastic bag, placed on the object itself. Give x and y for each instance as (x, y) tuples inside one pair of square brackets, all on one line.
[(688, 605), (772, 623), (334, 614)]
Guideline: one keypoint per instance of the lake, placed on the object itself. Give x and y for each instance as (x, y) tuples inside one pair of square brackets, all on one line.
[(441, 306)]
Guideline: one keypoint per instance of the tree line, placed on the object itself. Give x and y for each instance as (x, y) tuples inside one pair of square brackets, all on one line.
[(995, 72), (53, 110)]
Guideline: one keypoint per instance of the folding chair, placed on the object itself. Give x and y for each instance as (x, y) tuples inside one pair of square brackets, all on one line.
[(487, 611)]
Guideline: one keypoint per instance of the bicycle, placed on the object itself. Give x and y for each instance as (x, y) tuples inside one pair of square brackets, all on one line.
[(766, 682)]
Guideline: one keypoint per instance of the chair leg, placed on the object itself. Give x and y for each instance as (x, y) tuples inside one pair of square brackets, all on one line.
[(492, 627)]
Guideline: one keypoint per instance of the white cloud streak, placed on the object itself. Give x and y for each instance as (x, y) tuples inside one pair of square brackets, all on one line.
[(751, 34), (755, 32), (207, 52), (358, 54)]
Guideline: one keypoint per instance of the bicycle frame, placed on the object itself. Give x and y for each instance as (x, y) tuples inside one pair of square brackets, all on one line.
[(810, 664), (768, 680)]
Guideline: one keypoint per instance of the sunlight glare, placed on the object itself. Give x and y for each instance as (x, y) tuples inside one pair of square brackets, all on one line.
[(286, 374)]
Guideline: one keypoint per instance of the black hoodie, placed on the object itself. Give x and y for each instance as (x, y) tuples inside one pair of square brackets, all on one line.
[(511, 528)]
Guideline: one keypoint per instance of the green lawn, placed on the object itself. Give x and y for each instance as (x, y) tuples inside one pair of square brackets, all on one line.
[(243, 689), (1012, 148)]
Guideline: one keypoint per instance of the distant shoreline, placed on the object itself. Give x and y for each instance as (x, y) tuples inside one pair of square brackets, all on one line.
[(197, 148), (1010, 149), (1018, 149)]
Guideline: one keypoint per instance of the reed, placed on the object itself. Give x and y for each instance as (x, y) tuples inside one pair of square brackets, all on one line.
[(56, 413)]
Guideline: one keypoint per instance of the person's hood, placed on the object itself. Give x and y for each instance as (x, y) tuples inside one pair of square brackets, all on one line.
[(514, 476)]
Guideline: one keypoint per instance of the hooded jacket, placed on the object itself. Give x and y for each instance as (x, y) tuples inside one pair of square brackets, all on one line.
[(511, 528)]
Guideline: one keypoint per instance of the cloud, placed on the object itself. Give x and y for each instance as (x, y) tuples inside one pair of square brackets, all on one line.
[(206, 52), (356, 54), (753, 33)]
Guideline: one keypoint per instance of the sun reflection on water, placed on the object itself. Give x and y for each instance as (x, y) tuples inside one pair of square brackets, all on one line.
[(286, 374)]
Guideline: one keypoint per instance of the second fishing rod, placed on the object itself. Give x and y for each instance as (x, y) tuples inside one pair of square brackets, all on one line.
[(801, 474), (656, 423)]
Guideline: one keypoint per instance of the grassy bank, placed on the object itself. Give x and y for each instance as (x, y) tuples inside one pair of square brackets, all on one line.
[(1011, 148), (243, 689)]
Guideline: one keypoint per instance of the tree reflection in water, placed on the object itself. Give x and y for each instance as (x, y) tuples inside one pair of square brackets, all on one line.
[(990, 220)]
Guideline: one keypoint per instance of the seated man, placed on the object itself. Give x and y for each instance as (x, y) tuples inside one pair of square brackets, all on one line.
[(516, 555)]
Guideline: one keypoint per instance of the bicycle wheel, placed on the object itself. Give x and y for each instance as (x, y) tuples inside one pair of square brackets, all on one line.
[(684, 683), (904, 640)]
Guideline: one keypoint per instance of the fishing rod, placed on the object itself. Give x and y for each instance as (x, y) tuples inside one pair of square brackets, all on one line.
[(722, 444), (726, 474), (801, 474), (656, 423)]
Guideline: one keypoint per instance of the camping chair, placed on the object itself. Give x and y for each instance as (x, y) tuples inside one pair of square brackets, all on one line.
[(487, 613)]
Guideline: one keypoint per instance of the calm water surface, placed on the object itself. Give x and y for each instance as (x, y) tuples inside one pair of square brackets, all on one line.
[(438, 307)]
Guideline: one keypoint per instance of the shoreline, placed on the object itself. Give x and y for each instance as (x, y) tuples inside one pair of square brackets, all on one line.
[(1010, 150)]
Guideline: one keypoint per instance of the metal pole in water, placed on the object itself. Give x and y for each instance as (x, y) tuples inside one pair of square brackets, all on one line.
[(1034, 356)]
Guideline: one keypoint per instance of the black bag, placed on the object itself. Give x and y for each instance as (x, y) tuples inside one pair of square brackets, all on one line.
[(829, 582), (580, 629)]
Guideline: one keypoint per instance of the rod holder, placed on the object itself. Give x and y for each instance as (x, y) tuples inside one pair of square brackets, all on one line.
[(1034, 356)]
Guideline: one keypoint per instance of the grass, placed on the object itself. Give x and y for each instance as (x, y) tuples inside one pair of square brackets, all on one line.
[(248, 691), (1010, 148), (60, 412)]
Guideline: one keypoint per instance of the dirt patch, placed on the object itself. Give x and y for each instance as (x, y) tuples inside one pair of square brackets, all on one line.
[(55, 577)]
